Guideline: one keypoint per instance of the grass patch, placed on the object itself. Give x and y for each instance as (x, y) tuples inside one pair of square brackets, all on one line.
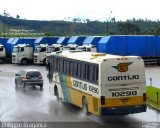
[(152, 96)]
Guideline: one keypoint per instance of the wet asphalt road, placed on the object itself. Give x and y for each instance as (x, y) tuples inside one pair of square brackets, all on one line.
[(35, 105)]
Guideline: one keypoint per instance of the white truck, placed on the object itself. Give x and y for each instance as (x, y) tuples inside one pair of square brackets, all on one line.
[(70, 47), (53, 48), (40, 54), (2, 53), (22, 54), (87, 48)]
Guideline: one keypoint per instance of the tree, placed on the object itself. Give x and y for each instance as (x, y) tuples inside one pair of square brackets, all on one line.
[(128, 28), (17, 16)]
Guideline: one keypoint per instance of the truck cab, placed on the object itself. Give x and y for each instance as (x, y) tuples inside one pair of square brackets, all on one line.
[(52, 48), (87, 48), (2, 52), (22, 54), (70, 47), (40, 54)]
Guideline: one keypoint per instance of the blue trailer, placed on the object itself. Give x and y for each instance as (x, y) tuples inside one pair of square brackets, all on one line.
[(62, 40), (74, 42), (147, 47), (29, 41), (45, 40), (91, 43), (3, 42), (78, 40)]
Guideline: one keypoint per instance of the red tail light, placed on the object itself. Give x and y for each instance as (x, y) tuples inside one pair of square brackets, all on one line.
[(102, 100), (144, 97), (26, 77)]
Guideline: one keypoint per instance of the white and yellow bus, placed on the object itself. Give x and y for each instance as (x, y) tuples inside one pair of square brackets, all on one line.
[(101, 84)]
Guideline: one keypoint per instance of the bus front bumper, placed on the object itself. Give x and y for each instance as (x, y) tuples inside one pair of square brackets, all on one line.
[(123, 110)]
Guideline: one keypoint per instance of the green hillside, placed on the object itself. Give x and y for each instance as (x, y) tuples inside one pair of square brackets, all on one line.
[(13, 27)]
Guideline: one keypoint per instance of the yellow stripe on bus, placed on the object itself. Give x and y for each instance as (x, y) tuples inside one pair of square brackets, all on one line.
[(115, 102), (69, 82), (93, 102)]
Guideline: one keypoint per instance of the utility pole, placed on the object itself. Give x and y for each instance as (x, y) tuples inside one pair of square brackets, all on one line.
[(4, 14), (108, 22)]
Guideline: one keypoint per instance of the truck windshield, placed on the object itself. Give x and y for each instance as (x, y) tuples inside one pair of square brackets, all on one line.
[(40, 49), (50, 49), (16, 49), (37, 49), (1, 49), (53, 49)]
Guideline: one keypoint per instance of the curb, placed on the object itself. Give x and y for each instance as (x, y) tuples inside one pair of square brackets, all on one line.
[(152, 106)]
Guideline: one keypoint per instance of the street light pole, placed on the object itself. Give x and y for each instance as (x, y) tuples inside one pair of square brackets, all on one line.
[(108, 22), (4, 14)]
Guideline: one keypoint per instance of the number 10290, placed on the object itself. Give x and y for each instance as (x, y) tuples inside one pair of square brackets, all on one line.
[(124, 93)]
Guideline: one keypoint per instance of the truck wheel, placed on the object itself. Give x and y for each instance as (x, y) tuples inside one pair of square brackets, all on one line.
[(85, 106), (23, 84), (158, 61), (24, 61), (44, 62)]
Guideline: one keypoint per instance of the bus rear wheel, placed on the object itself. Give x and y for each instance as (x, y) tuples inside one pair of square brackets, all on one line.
[(85, 106)]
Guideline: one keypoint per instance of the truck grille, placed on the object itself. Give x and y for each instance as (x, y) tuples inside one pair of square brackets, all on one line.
[(35, 59), (13, 58)]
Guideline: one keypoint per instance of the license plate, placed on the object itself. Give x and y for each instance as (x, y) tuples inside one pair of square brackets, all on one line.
[(35, 78), (124, 100)]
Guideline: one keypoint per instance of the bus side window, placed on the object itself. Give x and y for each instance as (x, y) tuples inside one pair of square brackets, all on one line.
[(79, 70), (69, 67), (72, 68), (88, 72), (65, 66), (61, 65), (75, 68), (91, 73), (83, 73)]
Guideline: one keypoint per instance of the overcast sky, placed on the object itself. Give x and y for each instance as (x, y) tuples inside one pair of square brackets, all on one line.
[(85, 9)]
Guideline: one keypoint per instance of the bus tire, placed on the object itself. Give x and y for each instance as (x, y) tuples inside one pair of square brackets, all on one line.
[(56, 93), (85, 106)]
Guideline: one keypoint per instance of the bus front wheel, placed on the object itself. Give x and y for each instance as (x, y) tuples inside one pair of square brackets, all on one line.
[(85, 106), (56, 92)]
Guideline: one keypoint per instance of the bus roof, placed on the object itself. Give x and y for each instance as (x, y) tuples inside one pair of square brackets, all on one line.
[(90, 56)]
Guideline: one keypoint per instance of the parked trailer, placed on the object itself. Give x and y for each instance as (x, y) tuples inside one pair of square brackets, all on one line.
[(3, 42), (90, 44), (6, 49), (148, 47), (74, 42)]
